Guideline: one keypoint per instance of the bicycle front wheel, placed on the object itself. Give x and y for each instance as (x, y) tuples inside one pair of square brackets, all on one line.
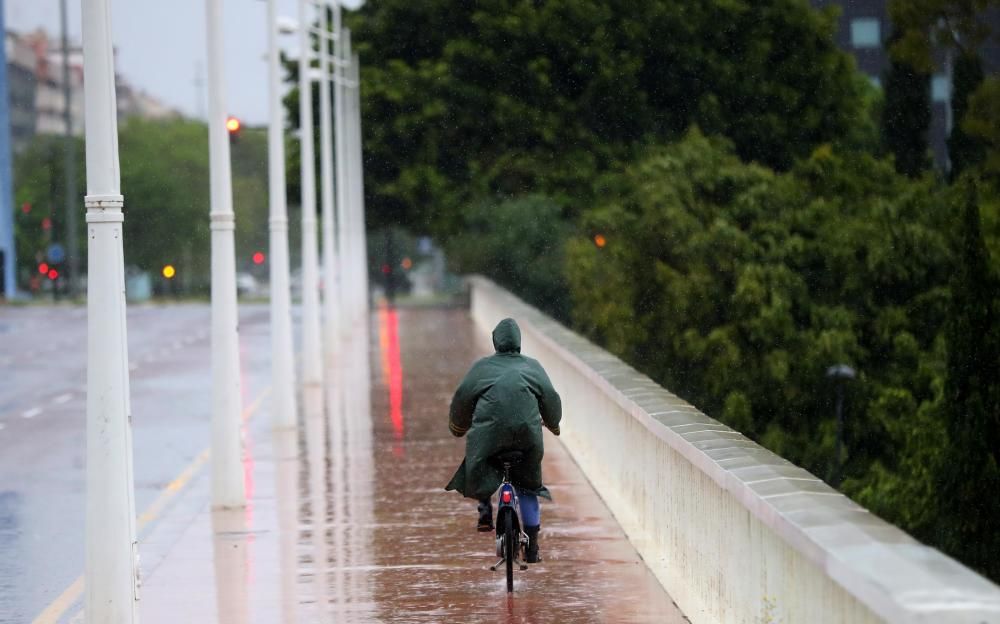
[(509, 548)]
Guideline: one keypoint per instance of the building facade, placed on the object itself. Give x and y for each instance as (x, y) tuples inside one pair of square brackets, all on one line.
[(36, 90)]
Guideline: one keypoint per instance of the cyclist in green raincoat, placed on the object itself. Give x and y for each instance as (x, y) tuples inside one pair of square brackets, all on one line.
[(502, 404)]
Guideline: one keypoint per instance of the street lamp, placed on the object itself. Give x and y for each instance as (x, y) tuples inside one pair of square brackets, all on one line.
[(312, 354), (358, 203), (111, 547), (228, 489), (282, 353), (332, 265), (841, 373)]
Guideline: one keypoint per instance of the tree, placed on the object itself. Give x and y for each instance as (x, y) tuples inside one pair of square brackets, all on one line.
[(520, 242), (164, 170), (906, 116), (982, 121), (466, 100), (736, 287), (964, 150), (972, 405), (926, 26), (959, 28), (165, 183), (40, 193)]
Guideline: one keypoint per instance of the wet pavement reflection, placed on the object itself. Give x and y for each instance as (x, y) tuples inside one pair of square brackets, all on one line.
[(380, 540)]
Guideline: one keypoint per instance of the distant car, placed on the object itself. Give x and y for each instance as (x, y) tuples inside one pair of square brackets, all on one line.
[(247, 285)]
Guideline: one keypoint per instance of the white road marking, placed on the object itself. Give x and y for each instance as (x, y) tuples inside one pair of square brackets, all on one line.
[(62, 398), (35, 411)]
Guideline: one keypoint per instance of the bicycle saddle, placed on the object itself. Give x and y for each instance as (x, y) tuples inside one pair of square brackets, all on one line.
[(509, 457)]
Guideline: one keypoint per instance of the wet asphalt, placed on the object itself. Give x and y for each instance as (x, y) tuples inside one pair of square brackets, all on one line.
[(43, 435)]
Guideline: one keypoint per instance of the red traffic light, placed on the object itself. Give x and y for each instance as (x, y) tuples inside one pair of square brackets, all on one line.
[(233, 125), (258, 257), (43, 268), (53, 274)]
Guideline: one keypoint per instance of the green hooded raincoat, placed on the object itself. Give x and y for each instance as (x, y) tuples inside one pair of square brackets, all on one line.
[(502, 403)]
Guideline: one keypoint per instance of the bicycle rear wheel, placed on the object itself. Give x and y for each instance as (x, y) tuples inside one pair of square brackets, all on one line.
[(509, 547)]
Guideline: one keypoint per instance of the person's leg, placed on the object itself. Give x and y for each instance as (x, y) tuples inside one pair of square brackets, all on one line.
[(531, 516), (485, 516)]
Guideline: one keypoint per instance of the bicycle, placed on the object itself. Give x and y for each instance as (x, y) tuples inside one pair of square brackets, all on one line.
[(511, 540)]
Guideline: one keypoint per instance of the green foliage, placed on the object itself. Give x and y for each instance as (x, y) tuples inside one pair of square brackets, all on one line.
[(737, 287), (164, 167), (164, 176), (958, 28), (473, 99), (907, 116), (964, 150), (39, 175), (982, 121), (926, 26), (520, 243), (972, 399)]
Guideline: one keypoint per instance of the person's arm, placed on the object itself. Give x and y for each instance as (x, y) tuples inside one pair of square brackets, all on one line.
[(549, 403), (463, 404)]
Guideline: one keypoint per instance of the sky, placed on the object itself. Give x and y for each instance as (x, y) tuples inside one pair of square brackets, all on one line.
[(161, 47)]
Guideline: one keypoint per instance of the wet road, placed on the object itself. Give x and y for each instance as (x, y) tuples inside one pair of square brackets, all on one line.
[(42, 429)]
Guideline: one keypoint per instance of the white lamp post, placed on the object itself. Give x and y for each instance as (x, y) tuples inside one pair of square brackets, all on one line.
[(227, 449), (111, 550), (282, 373), (331, 263), (312, 346), (343, 215), (358, 190)]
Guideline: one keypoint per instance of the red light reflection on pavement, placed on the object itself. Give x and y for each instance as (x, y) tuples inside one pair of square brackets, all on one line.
[(392, 368)]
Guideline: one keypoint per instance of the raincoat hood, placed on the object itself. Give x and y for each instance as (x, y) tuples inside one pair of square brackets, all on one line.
[(507, 336)]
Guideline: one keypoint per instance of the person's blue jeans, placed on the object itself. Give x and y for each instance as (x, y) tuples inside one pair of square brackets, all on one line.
[(531, 513)]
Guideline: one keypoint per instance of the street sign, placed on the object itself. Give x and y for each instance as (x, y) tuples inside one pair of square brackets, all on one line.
[(56, 253)]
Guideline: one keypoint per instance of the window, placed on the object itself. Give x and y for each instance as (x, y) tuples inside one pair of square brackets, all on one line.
[(866, 32), (940, 88)]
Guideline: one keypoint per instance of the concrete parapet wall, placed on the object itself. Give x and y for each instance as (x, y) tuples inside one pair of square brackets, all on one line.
[(734, 533)]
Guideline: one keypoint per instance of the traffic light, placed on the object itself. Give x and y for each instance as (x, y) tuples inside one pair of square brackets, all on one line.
[(234, 127)]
